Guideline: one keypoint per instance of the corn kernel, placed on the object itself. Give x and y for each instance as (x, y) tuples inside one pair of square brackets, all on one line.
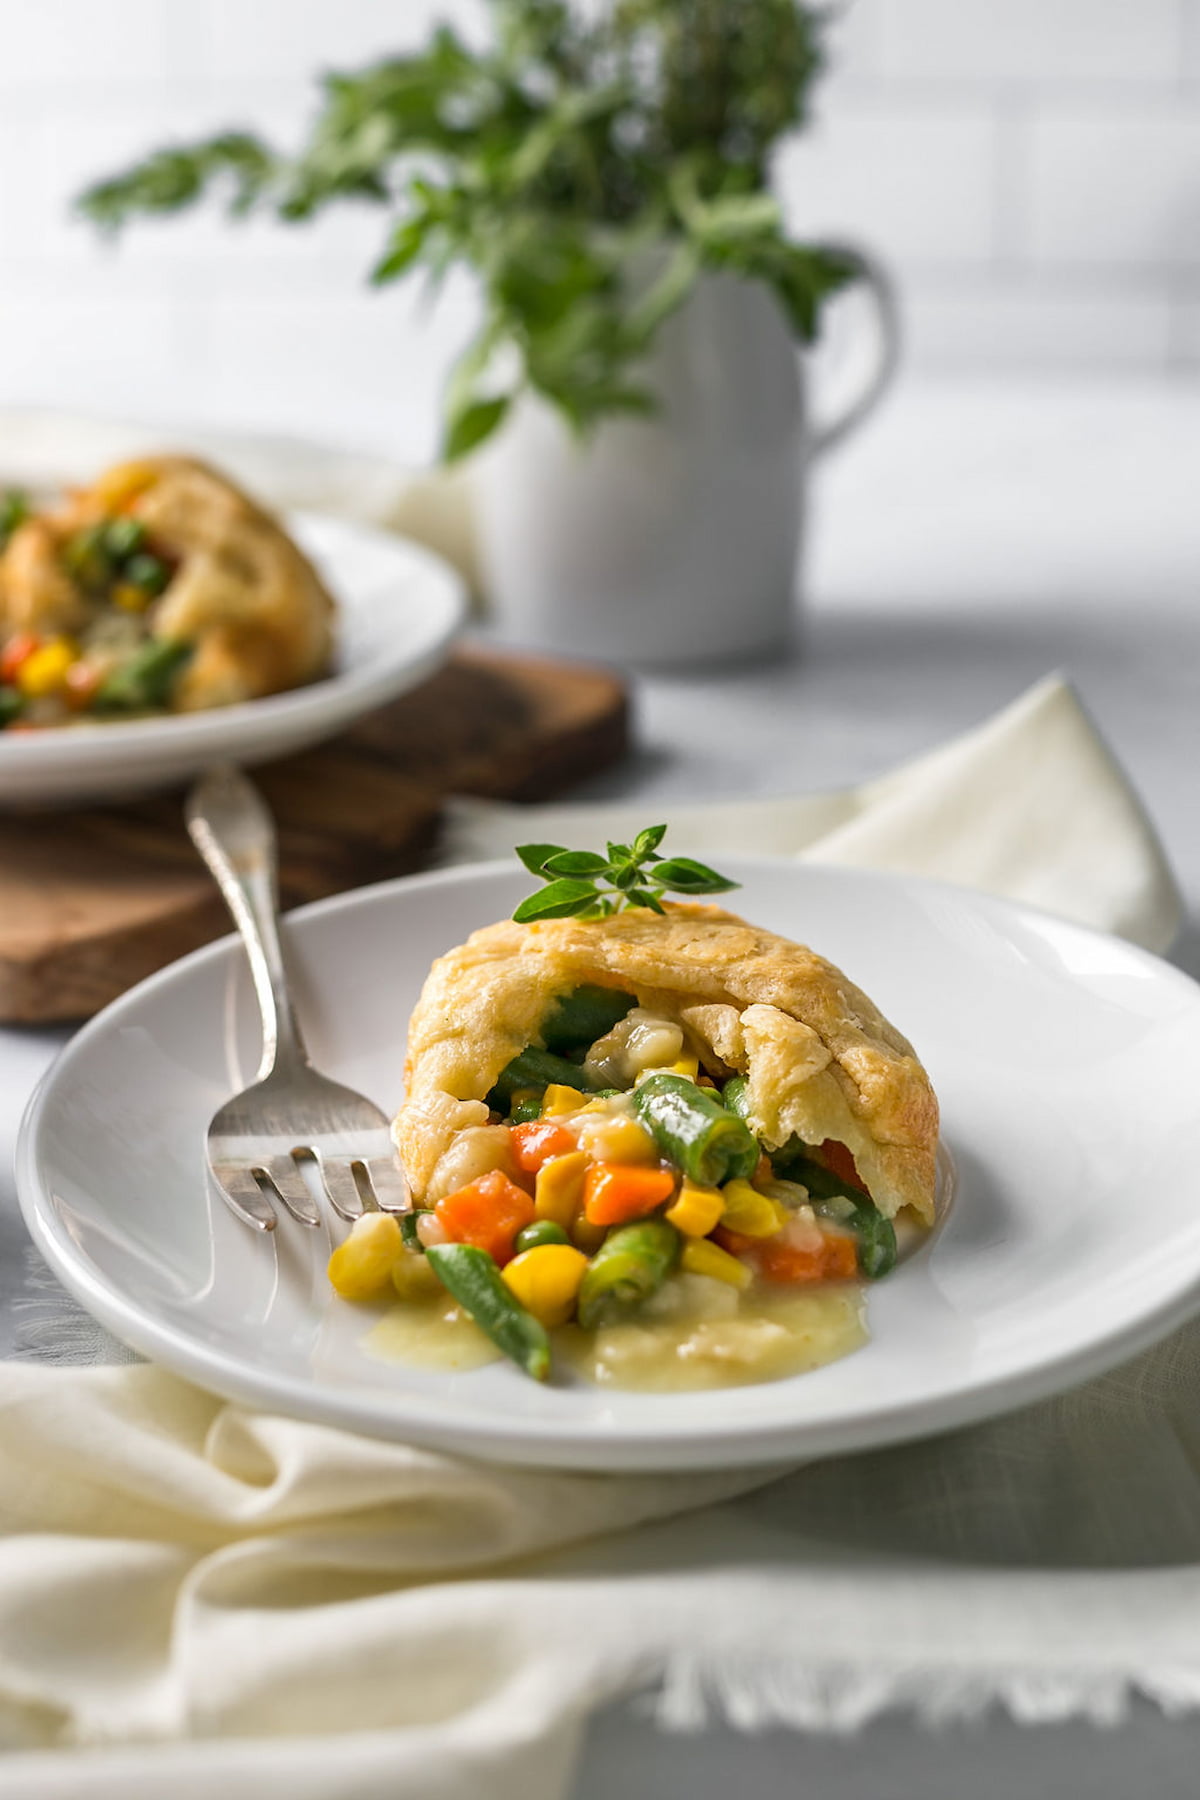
[(685, 1065), (751, 1213), (413, 1277), (361, 1268), (558, 1192), (45, 671), (129, 598), (546, 1280), (559, 1099), (701, 1257), (697, 1210), (616, 1138)]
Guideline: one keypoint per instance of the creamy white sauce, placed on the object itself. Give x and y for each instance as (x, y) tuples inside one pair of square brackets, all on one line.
[(700, 1334)]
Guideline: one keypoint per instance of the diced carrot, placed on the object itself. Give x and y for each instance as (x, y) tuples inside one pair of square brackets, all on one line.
[(764, 1170), (838, 1160), (17, 651), (537, 1141), (488, 1213), (836, 1260), (616, 1192)]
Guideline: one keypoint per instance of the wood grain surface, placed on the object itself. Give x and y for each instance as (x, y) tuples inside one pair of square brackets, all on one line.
[(91, 902)]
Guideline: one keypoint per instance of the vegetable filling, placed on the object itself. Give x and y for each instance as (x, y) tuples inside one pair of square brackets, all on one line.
[(91, 650), (612, 1167)]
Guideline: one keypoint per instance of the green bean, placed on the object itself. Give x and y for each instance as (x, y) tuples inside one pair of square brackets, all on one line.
[(630, 1265), (146, 679), (691, 1127), (472, 1277), (794, 1161), (542, 1231), (12, 705), (409, 1232), (577, 1019), (876, 1235), (535, 1068), (736, 1096)]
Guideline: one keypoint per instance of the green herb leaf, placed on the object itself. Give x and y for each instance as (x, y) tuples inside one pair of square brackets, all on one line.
[(536, 856), (646, 842), (558, 901), (575, 862), (686, 876), (584, 884), (467, 429)]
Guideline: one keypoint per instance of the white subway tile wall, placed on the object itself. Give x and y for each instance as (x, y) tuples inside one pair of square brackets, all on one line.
[(1030, 168)]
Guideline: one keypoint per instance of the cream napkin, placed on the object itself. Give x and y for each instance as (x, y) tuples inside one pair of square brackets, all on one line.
[(197, 1599), (1030, 804)]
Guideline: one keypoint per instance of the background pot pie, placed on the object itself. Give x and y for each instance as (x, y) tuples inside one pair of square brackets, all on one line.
[(161, 588)]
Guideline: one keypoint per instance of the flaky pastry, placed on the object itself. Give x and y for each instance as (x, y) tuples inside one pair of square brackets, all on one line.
[(820, 1059)]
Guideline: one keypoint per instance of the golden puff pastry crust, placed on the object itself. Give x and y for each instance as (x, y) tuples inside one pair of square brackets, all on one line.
[(820, 1059), (241, 592)]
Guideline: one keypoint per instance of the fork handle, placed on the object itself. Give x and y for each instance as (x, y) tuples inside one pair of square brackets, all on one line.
[(230, 825)]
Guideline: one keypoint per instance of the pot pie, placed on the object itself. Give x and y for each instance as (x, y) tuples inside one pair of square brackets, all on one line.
[(678, 1142), (161, 588)]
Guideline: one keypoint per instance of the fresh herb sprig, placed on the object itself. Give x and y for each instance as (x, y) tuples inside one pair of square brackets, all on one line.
[(588, 164), (585, 885)]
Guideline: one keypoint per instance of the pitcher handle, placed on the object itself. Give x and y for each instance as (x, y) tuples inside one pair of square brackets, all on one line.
[(882, 289)]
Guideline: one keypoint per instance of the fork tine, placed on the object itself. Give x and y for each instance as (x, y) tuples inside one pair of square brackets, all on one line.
[(290, 1185), (388, 1184), (243, 1196), (340, 1185)]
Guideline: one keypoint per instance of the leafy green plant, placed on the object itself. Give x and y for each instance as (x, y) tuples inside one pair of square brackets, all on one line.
[(555, 163), (585, 885)]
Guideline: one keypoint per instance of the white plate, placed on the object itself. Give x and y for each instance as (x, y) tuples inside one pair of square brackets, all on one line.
[(399, 607), (1065, 1062)]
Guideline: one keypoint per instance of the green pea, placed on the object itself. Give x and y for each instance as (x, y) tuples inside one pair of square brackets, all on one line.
[(12, 705), (542, 1231)]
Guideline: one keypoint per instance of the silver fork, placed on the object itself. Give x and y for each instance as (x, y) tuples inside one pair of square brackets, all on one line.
[(290, 1109)]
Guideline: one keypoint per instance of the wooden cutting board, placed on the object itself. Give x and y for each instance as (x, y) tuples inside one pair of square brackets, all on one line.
[(90, 902)]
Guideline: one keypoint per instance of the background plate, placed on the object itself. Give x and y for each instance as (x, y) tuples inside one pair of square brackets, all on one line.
[(399, 607), (1065, 1063)]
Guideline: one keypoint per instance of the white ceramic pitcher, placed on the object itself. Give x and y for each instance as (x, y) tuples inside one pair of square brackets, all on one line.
[(675, 538)]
